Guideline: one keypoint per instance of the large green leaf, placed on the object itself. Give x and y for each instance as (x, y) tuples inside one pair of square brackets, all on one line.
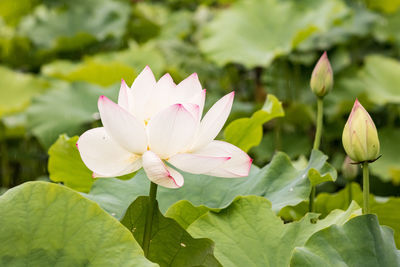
[(246, 133), (248, 232), (11, 12), (50, 225), (325, 172), (170, 244), (91, 71), (387, 28), (185, 213), (381, 79), (17, 89), (75, 24), (64, 109), (359, 242), (108, 68), (254, 33), (278, 181), (65, 165), (356, 24), (387, 6)]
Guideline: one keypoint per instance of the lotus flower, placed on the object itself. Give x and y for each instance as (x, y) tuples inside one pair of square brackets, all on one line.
[(158, 125), (360, 137), (322, 77)]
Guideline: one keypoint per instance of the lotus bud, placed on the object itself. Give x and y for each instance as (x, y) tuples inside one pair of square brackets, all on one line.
[(360, 138), (322, 77), (349, 171)]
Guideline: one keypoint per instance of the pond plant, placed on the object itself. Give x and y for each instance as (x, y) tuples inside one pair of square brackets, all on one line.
[(233, 139)]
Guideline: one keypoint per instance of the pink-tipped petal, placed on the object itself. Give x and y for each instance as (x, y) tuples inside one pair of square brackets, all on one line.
[(201, 101), (159, 173), (213, 121), (124, 94), (171, 130), (197, 164), (188, 88), (124, 128), (237, 166), (102, 155), (161, 97), (142, 90), (193, 109)]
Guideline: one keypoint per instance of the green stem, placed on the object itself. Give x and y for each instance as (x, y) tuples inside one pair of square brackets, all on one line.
[(260, 93), (311, 205), (350, 193), (5, 165), (149, 219), (365, 187), (320, 113), (317, 142), (277, 135)]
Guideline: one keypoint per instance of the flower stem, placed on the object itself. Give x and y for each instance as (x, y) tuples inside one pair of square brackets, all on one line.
[(311, 206), (365, 187), (320, 112), (350, 193), (5, 165), (149, 219), (317, 142)]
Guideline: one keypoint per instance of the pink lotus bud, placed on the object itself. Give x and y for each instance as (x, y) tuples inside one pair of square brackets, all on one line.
[(322, 77), (360, 137)]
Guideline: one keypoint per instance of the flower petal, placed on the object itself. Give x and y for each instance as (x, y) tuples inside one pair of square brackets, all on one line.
[(124, 95), (142, 90), (201, 101), (213, 121), (102, 155), (159, 173), (187, 88), (124, 128), (193, 109), (197, 164), (161, 96), (237, 166), (171, 130)]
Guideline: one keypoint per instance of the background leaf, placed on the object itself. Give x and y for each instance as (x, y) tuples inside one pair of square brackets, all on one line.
[(246, 133), (51, 114), (184, 213), (384, 207), (267, 29), (325, 174), (66, 165), (381, 80), (76, 24), (387, 167), (17, 90)]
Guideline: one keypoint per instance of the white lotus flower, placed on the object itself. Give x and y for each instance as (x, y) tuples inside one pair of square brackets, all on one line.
[(156, 122)]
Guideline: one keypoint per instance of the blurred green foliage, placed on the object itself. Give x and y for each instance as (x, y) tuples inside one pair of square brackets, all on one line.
[(57, 57)]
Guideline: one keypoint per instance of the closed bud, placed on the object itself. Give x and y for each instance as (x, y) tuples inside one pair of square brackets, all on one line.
[(360, 138), (322, 77), (349, 171)]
